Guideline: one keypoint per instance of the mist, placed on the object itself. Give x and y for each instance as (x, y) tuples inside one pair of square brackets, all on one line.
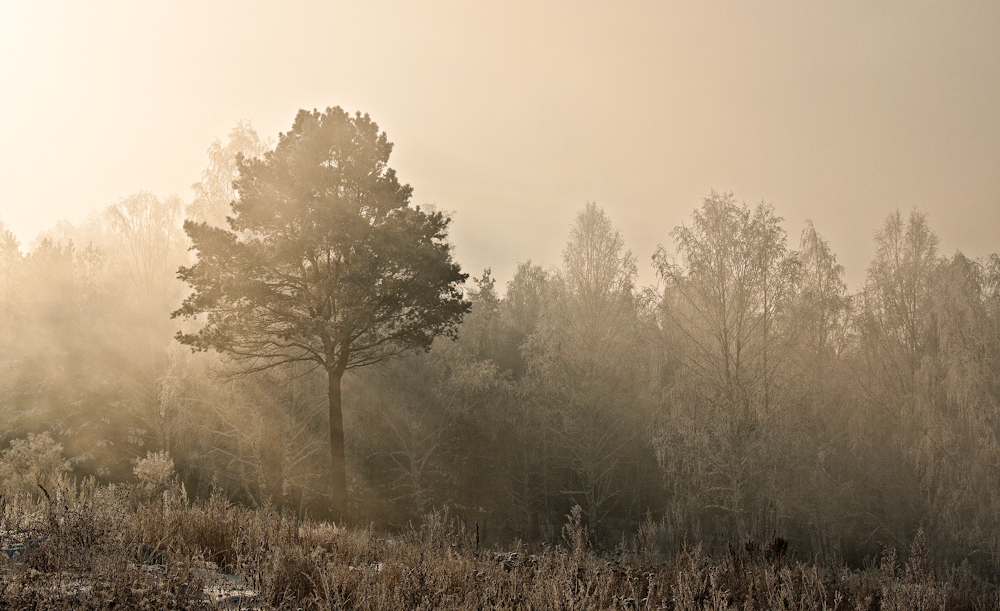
[(732, 274), (512, 116)]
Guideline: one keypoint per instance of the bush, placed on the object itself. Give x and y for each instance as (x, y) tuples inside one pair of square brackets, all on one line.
[(155, 473), (31, 464)]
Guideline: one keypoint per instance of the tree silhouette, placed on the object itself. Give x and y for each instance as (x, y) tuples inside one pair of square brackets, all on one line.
[(325, 262)]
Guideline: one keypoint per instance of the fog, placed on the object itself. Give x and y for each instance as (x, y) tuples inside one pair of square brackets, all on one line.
[(513, 116), (731, 272)]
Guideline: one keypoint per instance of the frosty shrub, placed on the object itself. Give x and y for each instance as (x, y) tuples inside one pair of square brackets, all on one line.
[(29, 463), (155, 473)]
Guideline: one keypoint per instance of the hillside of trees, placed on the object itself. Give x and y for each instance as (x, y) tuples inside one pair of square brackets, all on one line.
[(748, 394)]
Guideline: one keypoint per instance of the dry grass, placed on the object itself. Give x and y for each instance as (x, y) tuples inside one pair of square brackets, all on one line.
[(104, 549)]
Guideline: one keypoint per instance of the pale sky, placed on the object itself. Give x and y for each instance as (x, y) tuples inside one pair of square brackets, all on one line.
[(513, 115)]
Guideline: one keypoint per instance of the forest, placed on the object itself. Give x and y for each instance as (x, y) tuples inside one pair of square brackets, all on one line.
[(748, 395)]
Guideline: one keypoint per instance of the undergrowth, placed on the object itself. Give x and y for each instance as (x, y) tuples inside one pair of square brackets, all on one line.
[(109, 548)]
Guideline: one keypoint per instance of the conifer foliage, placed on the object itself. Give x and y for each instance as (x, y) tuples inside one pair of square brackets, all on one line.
[(324, 261)]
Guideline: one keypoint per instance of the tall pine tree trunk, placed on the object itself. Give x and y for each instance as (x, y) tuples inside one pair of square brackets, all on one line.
[(338, 488), (272, 455)]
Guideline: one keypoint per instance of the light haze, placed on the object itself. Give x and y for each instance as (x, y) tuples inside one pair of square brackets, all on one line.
[(513, 115)]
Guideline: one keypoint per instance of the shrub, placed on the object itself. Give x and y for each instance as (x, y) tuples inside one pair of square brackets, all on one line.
[(30, 463), (155, 473)]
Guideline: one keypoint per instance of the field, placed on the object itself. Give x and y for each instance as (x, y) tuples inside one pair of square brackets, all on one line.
[(111, 548)]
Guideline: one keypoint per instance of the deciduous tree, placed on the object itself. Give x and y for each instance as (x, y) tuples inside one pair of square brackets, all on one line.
[(727, 289), (215, 191)]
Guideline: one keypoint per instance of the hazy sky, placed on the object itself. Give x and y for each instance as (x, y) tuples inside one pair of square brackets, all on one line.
[(514, 114)]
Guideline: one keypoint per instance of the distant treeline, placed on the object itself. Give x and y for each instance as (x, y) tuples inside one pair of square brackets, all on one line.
[(749, 394)]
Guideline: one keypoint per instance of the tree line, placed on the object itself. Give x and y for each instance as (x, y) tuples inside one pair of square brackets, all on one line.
[(749, 393)]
